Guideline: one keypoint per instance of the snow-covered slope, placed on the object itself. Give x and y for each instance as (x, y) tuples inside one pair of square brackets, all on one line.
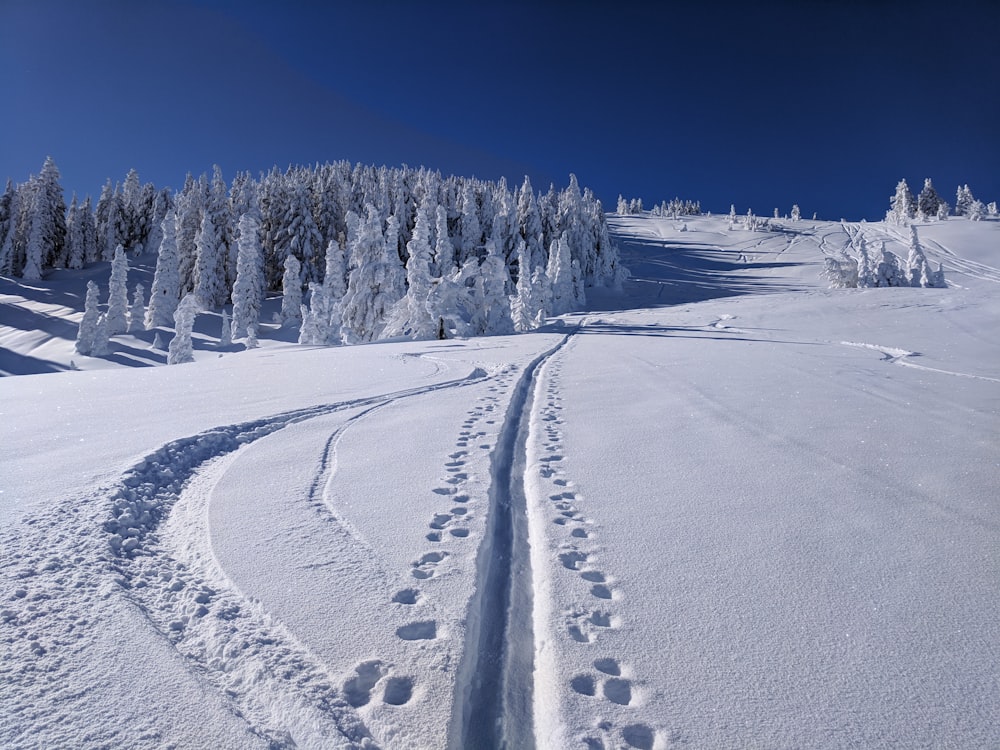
[(729, 508)]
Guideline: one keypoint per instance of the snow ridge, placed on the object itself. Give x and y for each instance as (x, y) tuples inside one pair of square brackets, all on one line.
[(494, 683)]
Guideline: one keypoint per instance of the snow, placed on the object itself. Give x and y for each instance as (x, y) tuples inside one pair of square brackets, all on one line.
[(729, 507)]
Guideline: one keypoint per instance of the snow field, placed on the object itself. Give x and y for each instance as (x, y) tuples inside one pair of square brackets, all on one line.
[(731, 508)]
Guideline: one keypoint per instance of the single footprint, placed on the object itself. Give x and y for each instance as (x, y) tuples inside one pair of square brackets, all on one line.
[(618, 691), (358, 689), (601, 591), (440, 520), (571, 560), (398, 691), (639, 736), (424, 567), (406, 596), (580, 533), (594, 576), (461, 533), (609, 666), (420, 631), (583, 684)]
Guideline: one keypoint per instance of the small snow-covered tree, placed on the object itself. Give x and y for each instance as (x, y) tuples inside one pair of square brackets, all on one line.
[(963, 200), (251, 341), (88, 325), (226, 334), (901, 205), (102, 337), (181, 347), (928, 201), (248, 291), (291, 289), (888, 271), (977, 211), (866, 271), (796, 213), (916, 261), (560, 273), (622, 207), (165, 292), (991, 210), (137, 312), (315, 328), (118, 293)]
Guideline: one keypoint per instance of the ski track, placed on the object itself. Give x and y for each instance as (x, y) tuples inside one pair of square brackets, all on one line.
[(607, 684), (266, 676), (901, 357)]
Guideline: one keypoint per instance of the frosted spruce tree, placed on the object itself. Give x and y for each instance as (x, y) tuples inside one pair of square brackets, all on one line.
[(410, 316), (902, 205), (210, 265), (248, 291), (34, 251), (928, 201), (226, 334), (88, 325), (102, 337), (376, 283), (866, 271), (291, 291), (165, 293), (444, 251), (137, 312), (527, 305), (181, 347), (118, 294), (560, 273), (315, 328)]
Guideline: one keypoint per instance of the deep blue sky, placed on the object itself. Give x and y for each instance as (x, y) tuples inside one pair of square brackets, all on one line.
[(762, 104)]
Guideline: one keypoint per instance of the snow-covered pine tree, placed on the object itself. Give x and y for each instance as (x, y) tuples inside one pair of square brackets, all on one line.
[(88, 324), (248, 291), (210, 265), (916, 261), (963, 200), (527, 305), (560, 274), (928, 201), (888, 271), (494, 280), (901, 205), (52, 213), (796, 213), (118, 294), (137, 312), (472, 232), (444, 252), (866, 271), (181, 347), (165, 293), (226, 334), (9, 213), (376, 283), (188, 210), (102, 337), (34, 251), (88, 228), (410, 316), (251, 341), (291, 291), (75, 250), (977, 211)]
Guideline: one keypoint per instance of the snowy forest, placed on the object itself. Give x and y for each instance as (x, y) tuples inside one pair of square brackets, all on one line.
[(359, 253)]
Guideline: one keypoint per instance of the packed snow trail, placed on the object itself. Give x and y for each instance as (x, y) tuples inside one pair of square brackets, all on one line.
[(494, 699)]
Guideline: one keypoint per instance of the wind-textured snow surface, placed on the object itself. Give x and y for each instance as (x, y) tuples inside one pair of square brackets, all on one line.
[(728, 508)]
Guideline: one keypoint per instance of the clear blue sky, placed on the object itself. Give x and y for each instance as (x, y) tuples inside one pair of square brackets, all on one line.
[(762, 104)]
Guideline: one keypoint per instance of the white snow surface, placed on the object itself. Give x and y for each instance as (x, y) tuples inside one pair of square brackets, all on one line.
[(728, 508)]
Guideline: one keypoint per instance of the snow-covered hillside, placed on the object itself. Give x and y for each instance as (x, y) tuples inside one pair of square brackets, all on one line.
[(730, 507)]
